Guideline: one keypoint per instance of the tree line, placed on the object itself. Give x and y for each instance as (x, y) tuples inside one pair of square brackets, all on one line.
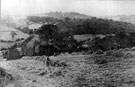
[(93, 25)]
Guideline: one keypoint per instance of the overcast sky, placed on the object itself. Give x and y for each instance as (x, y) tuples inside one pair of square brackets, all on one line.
[(89, 7)]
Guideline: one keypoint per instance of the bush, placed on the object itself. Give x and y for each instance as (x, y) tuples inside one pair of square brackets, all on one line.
[(101, 61), (19, 39), (89, 52), (74, 53), (2, 49), (127, 49), (5, 78), (109, 53), (118, 54), (133, 49), (121, 50), (99, 52), (128, 55)]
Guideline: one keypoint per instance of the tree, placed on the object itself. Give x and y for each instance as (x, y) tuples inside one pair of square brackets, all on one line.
[(13, 34), (47, 34), (54, 42)]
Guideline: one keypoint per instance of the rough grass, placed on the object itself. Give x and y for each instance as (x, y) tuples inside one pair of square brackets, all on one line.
[(112, 74), (5, 78), (82, 71)]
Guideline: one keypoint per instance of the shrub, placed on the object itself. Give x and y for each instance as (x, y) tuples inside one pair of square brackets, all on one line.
[(109, 53), (74, 53), (19, 39), (89, 52), (101, 61), (121, 50), (127, 49), (128, 55), (22, 39), (118, 54), (5, 78), (99, 52), (133, 49), (2, 49)]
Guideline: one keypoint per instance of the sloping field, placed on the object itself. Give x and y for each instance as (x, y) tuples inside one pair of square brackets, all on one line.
[(81, 71), (5, 33), (7, 29), (9, 44), (34, 26), (82, 37), (6, 44), (86, 37)]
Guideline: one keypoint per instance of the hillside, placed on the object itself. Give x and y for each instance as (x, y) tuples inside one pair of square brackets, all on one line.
[(6, 38), (81, 71), (85, 26), (61, 15), (123, 18), (6, 34)]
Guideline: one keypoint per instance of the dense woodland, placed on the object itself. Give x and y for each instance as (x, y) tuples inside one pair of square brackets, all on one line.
[(54, 42), (57, 34), (124, 32), (92, 25)]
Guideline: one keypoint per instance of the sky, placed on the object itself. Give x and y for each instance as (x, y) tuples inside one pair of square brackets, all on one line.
[(89, 7)]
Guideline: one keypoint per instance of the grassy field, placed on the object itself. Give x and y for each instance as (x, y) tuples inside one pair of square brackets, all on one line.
[(81, 71), (5, 33), (85, 37), (9, 44), (6, 44), (6, 36)]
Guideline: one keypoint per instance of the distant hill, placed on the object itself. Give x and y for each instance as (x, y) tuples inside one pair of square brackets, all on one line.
[(85, 26), (61, 15), (123, 18)]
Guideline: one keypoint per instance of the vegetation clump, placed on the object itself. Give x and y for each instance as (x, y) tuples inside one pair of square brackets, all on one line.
[(5, 78), (109, 53), (99, 52), (118, 54)]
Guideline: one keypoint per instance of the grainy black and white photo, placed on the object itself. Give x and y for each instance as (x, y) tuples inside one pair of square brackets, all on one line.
[(67, 43)]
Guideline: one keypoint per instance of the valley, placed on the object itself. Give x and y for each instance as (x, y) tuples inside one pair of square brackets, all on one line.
[(67, 49)]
